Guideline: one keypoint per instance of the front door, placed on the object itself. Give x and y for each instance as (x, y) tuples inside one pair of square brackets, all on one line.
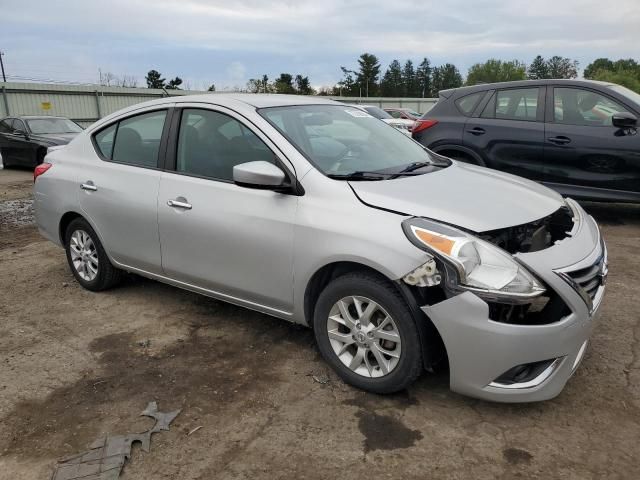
[(583, 149), (510, 132), (216, 235)]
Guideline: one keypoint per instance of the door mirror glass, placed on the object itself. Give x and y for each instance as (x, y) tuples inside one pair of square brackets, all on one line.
[(624, 120), (258, 174)]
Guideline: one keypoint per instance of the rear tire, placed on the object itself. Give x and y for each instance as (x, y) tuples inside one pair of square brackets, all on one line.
[(364, 329), (87, 259)]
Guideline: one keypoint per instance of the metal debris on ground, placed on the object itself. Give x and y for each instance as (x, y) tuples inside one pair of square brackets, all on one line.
[(106, 456)]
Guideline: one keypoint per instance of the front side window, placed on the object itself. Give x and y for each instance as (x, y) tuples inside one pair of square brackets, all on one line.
[(575, 106), (513, 104), (378, 113), (211, 143), (18, 126), (40, 126), (395, 113), (343, 140), (136, 141)]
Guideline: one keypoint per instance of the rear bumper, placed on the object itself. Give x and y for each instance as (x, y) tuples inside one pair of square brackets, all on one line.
[(480, 350)]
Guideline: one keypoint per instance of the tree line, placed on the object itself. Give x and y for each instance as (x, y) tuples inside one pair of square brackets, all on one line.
[(409, 79)]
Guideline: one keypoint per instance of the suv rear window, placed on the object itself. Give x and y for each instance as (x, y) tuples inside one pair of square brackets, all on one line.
[(468, 103)]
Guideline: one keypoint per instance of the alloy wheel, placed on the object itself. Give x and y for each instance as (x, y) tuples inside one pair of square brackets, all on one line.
[(84, 255), (364, 336)]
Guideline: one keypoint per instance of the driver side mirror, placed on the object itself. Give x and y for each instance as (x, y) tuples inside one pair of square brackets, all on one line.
[(259, 174), (624, 120)]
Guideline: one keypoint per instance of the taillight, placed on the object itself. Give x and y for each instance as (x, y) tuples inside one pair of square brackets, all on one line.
[(423, 124), (40, 169)]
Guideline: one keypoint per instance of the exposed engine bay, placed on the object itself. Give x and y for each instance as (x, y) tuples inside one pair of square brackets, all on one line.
[(533, 236)]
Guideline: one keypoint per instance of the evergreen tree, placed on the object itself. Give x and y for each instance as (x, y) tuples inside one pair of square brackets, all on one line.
[(538, 69), (154, 79), (369, 73), (423, 78), (409, 80), (391, 84)]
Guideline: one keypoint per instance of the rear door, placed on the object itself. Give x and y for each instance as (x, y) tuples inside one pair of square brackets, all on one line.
[(216, 235), (119, 189), (509, 131), (583, 149)]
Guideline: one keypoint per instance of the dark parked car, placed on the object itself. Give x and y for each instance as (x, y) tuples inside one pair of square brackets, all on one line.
[(578, 137), (24, 140)]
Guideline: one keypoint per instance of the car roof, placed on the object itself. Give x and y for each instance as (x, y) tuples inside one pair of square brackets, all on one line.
[(257, 100), (524, 83), (32, 117)]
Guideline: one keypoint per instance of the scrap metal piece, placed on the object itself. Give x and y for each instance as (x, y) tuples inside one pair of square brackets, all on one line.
[(107, 455)]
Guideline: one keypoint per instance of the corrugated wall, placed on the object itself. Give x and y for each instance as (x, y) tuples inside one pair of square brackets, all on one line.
[(86, 104)]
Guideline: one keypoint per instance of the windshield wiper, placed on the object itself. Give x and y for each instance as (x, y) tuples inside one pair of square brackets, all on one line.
[(360, 175), (410, 168)]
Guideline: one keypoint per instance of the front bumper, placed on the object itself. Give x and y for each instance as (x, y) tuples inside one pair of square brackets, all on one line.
[(480, 350)]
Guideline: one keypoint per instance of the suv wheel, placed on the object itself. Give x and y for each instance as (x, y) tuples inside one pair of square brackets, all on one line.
[(365, 331), (87, 259)]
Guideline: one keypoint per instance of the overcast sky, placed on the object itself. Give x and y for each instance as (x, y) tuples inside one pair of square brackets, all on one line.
[(224, 42)]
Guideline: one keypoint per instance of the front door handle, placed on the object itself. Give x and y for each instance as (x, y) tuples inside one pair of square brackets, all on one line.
[(476, 131), (559, 140), (89, 185), (179, 204)]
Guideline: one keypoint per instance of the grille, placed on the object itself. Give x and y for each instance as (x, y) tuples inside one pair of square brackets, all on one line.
[(588, 280)]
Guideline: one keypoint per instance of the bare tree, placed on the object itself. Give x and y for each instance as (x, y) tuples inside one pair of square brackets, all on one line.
[(128, 81), (108, 79)]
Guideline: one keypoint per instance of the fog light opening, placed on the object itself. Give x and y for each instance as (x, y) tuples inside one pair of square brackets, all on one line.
[(527, 375)]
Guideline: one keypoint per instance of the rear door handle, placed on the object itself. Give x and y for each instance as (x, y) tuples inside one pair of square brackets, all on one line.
[(179, 204), (88, 185), (476, 131), (559, 140)]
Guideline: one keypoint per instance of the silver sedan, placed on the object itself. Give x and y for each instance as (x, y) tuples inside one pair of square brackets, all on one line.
[(317, 213)]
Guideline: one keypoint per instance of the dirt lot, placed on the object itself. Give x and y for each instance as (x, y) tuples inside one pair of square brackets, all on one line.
[(76, 365)]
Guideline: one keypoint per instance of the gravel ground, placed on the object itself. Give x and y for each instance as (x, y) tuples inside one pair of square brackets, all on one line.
[(76, 365)]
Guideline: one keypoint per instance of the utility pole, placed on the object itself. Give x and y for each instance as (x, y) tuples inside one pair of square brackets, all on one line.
[(4, 77)]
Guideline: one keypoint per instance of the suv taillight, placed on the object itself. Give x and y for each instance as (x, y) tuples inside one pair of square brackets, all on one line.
[(40, 169), (423, 124)]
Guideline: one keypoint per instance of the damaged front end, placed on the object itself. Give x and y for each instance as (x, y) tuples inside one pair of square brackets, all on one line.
[(527, 302), (513, 306)]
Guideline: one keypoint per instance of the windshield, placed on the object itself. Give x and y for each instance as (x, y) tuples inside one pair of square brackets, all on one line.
[(40, 126), (377, 112), (630, 94), (343, 140)]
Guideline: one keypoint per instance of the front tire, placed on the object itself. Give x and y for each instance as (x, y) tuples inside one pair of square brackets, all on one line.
[(365, 331), (87, 259)]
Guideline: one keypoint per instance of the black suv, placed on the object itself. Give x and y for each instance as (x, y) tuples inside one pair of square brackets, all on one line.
[(578, 137)]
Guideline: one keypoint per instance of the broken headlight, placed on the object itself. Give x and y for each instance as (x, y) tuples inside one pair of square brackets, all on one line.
[(479, 265)]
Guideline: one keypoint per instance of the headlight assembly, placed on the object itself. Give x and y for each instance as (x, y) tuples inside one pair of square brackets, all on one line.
[(479, 266)]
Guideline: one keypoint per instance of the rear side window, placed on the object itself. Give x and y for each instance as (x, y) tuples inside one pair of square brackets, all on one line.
[(138, 139), (104, 140), (513, 104), (134, 140), (468, 103)]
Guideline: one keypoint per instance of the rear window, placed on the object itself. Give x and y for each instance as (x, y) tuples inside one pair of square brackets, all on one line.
[(468, 103)]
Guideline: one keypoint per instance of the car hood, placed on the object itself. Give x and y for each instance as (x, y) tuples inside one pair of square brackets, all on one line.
[(471, 197), (56, 138)]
